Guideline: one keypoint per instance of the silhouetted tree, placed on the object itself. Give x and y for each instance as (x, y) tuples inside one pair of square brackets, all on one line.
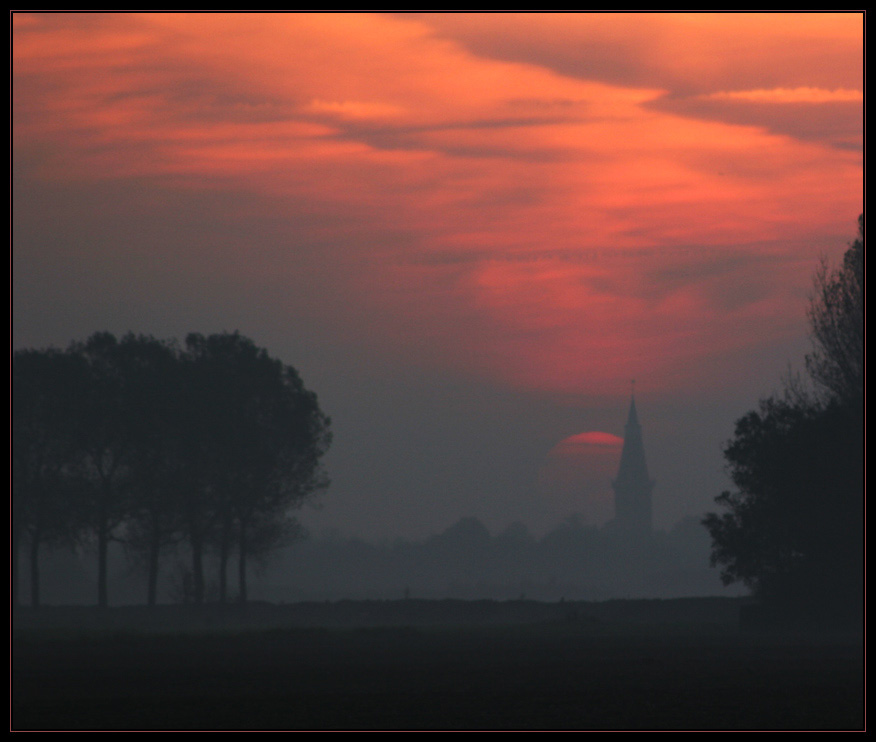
[(793, 530), (836, 318), (116, 421), (156, 463), (135, 440), (45, 389), (290, 434), (259, 436)]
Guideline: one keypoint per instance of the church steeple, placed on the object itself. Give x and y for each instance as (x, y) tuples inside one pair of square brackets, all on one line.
[(633, 486), (632, 417)]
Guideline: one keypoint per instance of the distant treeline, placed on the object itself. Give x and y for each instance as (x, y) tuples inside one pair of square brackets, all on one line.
[(574, 560), (144, 441)]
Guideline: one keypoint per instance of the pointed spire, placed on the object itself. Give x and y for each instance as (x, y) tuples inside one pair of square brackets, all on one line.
[(633, 417), (632, 487)]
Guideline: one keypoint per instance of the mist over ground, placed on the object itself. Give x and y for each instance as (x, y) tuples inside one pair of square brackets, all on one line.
[(572, 561)]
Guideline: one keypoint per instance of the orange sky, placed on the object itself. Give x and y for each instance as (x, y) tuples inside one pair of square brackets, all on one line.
[(547, 203), (574, 222)]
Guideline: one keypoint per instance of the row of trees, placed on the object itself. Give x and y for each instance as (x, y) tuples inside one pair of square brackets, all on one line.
[(793, 529), (574, 560), (144, 441)]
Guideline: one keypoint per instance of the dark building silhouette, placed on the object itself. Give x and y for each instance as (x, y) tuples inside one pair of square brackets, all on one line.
[(632, 487)]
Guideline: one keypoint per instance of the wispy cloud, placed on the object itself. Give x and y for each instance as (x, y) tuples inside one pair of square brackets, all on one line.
[(506, 195), (790, 95)]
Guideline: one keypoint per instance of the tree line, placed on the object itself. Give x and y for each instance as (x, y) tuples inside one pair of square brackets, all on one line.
[(211, 443), (793, 530), (575, 560)]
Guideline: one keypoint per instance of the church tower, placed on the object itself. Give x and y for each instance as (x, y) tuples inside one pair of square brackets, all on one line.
[(632, 487)]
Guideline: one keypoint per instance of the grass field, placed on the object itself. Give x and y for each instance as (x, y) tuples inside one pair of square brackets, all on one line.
[(572, 671)]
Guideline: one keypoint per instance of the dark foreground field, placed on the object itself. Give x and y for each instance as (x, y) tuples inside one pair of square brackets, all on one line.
[(421, 665)]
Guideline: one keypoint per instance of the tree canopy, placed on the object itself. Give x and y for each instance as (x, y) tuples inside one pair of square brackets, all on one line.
[(793, 527), (141, 441), (836, 318)]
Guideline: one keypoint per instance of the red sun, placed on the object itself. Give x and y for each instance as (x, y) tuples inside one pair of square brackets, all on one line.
[(576, 475)]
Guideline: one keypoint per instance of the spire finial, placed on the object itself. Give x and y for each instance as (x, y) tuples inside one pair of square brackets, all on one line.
[(633, 418)]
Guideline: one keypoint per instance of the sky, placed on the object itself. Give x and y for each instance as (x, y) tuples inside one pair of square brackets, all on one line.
[(468, 232)]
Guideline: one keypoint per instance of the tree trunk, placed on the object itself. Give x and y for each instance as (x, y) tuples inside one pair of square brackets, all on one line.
[(154, 549), (35, 568), (224, 553), (198, 567), (16, 579), (103, 542), (241, 564), (102, 550)]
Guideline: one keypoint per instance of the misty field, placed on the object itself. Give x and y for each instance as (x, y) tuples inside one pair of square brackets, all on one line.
[(478, 665)]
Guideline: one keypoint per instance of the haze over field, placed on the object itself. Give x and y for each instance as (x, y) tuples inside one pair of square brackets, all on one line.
[(468, 232)]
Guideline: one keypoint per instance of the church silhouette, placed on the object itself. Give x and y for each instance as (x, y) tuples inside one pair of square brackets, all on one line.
[(633, 487)]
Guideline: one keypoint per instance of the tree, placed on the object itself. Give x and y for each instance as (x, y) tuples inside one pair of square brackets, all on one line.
[(156, 404), (793, 530), (117, 420), (46, 386), (836, 319), (136, 441), (259, 435), (289, 436)]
